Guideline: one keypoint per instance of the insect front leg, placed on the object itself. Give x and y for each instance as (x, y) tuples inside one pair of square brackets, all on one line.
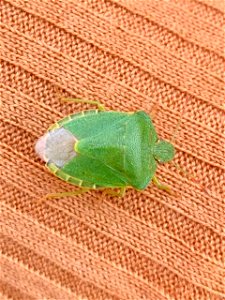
[(77, 100), (160, 185)]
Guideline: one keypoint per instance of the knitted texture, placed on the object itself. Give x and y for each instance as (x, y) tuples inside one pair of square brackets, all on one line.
[(163, 57)]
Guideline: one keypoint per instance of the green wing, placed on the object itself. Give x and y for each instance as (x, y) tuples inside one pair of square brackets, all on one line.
[(92, 171), (114, 149), (91, 122)]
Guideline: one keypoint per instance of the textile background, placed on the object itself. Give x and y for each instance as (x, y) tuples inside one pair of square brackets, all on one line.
[(163, 57)]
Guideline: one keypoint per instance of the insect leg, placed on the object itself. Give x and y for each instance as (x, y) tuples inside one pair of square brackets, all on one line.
[(77, 100), (160, 185), (64, 194), (121, 193)]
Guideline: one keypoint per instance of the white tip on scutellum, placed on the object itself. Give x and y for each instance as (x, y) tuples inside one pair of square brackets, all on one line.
[(56, 146)]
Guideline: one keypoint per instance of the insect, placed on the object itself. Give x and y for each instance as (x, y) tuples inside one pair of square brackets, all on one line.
[(99, 149)]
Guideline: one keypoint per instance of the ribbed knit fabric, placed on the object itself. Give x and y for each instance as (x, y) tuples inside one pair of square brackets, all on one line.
[(163, 57)]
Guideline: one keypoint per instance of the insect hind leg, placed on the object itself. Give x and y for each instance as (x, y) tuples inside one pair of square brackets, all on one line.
[(100, 106), (64, 194)]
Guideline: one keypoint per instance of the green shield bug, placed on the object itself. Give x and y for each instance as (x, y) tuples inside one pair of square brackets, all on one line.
[(98, 149)]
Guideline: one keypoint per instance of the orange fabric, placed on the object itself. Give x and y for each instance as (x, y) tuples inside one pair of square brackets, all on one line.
[(164, 57)]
